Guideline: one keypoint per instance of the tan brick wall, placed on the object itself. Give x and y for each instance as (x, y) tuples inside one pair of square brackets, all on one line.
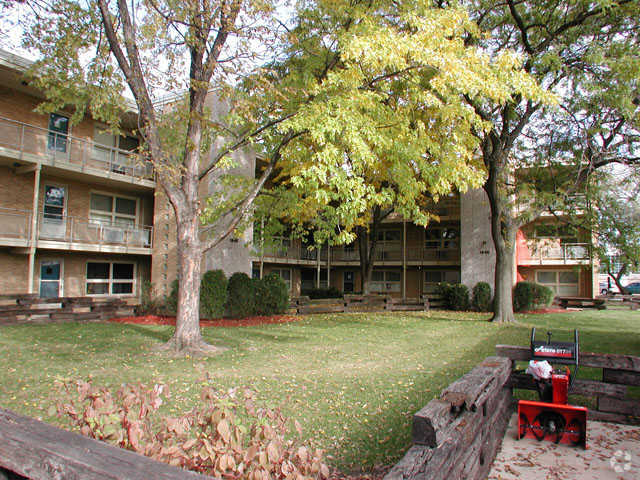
[(164, 258), (14, 272), (16, 191)]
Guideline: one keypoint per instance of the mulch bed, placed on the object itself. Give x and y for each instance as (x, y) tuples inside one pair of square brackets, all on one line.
[(221, 322)]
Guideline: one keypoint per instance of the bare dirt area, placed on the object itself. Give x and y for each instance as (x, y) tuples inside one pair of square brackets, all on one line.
[(613, 453), (220, 322)]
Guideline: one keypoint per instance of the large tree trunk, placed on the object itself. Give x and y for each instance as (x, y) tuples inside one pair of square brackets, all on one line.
[(503, 233), (187, 338)]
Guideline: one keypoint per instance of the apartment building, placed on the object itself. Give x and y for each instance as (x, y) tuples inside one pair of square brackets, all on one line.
[(76, 209), (79, 215), (412, 260)]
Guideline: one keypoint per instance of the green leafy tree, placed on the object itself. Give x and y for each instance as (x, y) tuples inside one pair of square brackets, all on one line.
[(614, 216), (394, 131), (537, 155)]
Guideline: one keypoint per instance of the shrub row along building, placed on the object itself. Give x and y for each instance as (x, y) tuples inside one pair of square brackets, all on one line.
[(80, 217)]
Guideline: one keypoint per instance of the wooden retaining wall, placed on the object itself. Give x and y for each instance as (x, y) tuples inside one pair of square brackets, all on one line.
[(358, 303), (35, 450), (610, 394), (27, 308), (458, 435)]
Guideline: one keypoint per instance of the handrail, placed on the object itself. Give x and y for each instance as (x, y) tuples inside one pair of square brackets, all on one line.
[(39, 141), (72, 229)]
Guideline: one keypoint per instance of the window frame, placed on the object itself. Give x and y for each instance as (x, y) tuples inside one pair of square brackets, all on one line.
[(396, 285), (113, 212), (429, 287), (557, 284), (110, 280), (278, 271)]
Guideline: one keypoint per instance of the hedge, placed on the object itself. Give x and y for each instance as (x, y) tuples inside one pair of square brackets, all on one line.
[(213, 294)]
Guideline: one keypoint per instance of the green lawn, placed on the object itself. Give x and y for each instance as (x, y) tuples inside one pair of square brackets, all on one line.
[(352, 380)]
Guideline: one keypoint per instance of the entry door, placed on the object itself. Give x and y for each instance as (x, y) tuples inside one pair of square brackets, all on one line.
[(347, 282), (50, 279), (54, 224)]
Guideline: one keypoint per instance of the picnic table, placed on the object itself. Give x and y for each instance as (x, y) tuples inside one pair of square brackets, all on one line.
[(582, 302)]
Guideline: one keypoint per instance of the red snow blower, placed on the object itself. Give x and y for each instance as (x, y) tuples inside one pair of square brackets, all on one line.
[(552, 418)]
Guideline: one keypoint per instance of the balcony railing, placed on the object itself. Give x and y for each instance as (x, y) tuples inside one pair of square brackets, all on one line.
[(58, 148), (294, 252), (433, 254), (78, 230), (565, 253), (16, 225), (352, 255)]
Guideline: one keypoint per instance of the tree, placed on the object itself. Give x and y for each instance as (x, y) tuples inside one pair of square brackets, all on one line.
[(91, 52), (403, 133), (614, 214), (536, 154)]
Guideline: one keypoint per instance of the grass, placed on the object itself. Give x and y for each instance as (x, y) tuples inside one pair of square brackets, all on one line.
[(352, 380)]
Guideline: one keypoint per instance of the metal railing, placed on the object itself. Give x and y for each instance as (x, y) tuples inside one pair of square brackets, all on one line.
[(78, 230), (566, 252), (351, 255), (294, 252), (59, 148), (15, 224)]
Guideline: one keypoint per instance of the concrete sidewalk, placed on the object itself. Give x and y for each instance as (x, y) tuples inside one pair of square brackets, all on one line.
[(613, 454)]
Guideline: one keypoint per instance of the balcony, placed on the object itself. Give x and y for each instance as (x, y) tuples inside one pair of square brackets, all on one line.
[(21, 141), (15, 227), (71, 233), (293, 254), (554, 253)]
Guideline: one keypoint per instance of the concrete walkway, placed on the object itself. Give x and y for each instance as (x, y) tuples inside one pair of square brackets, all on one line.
[(613, 454)]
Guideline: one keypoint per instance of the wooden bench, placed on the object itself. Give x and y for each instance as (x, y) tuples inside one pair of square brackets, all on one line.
[(585, 302)]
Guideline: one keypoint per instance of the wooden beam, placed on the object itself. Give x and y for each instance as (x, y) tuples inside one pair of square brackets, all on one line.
[(40, 451), (27, 169), (595, 360), (589, 388)]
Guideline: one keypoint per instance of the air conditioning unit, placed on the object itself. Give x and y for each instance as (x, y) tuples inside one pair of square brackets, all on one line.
[(113, 234)]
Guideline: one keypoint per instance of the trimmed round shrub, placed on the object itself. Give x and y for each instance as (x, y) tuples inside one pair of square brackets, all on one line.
[(455, 296), (271, 295), (529, 296), (213, 294), (240, 295), (482, 297)]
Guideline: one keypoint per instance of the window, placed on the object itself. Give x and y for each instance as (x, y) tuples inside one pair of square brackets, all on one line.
[(104, 278), (433, 277), (562, 282), (58, 131), (110, 210), (108, 148), (284, 274), (389, 244), (54, 202), (564, 232), (442, 238), (385, 281)]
